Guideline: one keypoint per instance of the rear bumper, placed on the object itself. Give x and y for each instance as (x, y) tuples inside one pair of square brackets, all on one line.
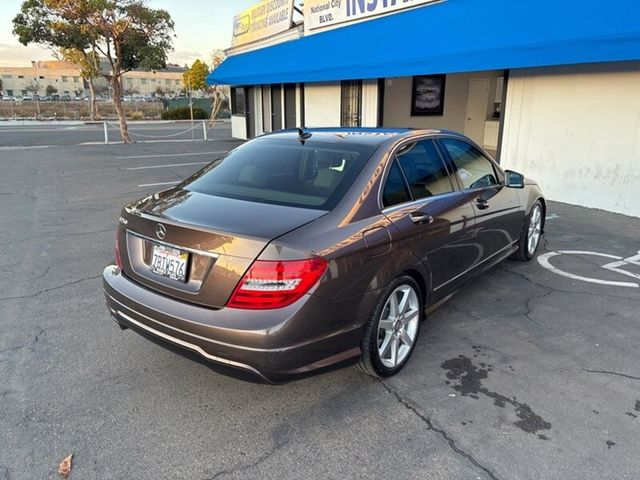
[(272, 345)]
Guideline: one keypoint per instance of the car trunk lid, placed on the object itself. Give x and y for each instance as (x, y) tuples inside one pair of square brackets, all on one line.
[(219, 238)]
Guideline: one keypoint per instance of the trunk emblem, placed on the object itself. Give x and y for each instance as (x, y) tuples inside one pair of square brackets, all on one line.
[(161, 231)]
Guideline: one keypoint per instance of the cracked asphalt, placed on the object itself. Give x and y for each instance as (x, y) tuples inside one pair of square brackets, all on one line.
[(524, 374)]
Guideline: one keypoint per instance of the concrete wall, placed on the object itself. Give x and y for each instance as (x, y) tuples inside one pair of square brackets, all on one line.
[(322, 104), (576, 130)]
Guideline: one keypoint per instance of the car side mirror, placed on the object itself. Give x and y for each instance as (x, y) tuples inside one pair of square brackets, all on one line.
[(514, 179)]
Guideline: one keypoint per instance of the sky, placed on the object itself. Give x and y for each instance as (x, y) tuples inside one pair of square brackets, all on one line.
[(201, 26)]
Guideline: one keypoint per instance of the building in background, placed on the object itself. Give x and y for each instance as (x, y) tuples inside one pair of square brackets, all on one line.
[(66, 79), (551, 88)]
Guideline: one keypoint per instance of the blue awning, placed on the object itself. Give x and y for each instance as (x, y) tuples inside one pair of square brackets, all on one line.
[(450, 37)]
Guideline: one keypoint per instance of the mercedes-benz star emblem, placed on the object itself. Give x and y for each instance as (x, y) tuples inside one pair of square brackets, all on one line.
[(161, 231)]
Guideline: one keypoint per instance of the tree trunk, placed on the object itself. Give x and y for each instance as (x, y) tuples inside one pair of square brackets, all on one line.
[(215, 107), (93, 106), (116, 89)]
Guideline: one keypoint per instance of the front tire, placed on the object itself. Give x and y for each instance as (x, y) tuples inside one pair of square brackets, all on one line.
[(531, 234), (392, 332)]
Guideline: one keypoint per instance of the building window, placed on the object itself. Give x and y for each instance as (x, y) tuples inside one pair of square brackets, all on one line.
[(20, 76), (76, 79), (65, 79), (7, 76), (41, 77), (167, 82), (238, 104)]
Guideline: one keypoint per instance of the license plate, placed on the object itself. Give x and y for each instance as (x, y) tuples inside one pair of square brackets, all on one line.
[(170, 262)]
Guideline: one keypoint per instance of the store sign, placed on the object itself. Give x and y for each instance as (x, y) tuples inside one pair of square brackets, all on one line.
[(327, 13), (264, 19)]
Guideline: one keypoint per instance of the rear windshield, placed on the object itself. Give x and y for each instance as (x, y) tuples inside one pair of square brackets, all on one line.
[(284, 171)]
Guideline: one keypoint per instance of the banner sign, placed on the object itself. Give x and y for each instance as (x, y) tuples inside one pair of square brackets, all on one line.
[(264, 19), (327, 13)]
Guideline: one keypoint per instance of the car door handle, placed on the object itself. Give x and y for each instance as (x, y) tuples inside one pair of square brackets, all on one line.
[(482, 204), (421, 218)]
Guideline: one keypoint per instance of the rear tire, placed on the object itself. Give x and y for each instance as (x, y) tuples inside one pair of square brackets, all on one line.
[(391, 333), (531, 234)]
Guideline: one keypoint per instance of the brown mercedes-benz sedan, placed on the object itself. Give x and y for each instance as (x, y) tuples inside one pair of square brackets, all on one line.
[(306, 249)]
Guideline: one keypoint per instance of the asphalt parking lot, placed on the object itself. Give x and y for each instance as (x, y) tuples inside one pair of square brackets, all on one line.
[(530, 372)]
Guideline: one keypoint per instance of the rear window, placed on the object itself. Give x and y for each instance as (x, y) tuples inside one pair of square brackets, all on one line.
[(283, 171)]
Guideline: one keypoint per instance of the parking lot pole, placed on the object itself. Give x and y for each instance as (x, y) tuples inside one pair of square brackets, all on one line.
[(106, 133), (204, 130)]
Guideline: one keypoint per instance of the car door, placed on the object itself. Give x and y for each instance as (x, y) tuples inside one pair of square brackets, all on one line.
[(433, 216), (498, 211)]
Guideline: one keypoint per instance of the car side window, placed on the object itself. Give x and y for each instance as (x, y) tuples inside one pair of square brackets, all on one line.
[(473, 169), (395, 189), (425, 170)]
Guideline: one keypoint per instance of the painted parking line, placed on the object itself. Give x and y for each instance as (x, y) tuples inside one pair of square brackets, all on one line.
[(157, 184), (24, 147), (43, 130), (170, 155), (168, 166)]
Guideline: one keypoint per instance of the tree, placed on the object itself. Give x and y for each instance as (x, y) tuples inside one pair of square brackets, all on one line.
[(50, 90), (33, 87), (160, 92), (88, 62), (127, 33), (217, 91), (0, 86), (195, 78), (128, 92)]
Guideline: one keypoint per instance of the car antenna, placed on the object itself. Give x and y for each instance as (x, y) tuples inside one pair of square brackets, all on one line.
[(302, 135)]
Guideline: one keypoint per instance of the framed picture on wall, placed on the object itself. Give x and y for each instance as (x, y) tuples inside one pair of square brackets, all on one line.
[(428, 95)]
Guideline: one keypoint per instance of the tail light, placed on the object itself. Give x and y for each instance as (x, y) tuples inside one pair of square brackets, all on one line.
[(276, 284), (117, 252)]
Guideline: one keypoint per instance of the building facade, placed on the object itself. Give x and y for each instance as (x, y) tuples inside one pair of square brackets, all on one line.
[(66, 80), (552, 90)]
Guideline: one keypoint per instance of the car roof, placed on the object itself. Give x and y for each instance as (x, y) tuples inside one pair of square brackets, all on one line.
[(363, 135)]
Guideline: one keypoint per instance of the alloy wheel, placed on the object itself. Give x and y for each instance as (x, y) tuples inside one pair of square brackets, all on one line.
[(535, 229), (398, 326)]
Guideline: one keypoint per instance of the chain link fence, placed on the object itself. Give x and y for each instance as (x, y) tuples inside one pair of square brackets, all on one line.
[(78, 110)]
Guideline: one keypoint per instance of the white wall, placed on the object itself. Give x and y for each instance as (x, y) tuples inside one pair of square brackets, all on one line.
[(322, 104), (576, 130), (239, 127), (370, 103)]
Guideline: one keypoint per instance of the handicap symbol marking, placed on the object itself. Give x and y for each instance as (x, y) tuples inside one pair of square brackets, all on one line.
[(615, 266)]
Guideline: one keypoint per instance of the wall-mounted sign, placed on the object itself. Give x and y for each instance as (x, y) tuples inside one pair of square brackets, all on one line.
[(327, 13), (264, 19)]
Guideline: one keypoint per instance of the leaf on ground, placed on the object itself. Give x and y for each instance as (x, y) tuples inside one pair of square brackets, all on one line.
[(64, 469)]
